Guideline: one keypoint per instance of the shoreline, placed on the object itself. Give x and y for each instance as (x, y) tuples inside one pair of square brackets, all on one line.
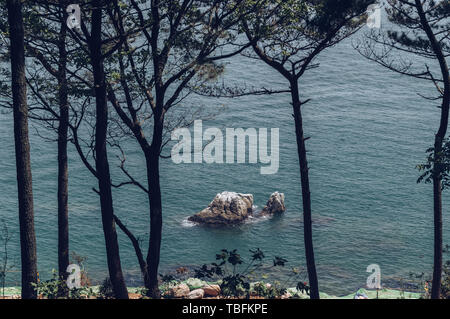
[(13, 292)]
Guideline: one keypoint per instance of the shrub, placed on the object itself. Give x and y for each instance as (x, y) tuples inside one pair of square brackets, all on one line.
[(445, 286), (56, 288), (234, 274), (269, 291), (106, 290)]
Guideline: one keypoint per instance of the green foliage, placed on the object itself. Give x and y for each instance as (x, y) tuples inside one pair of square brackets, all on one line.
[(143, 292), (445, 285), (167, 278), (303, 287), (290, 30), (56, 288), (235, 285), (438, 166), (422, 282), (405, 15), (234, 274), (106, 290), (269, 291), (278, 261), (5, 266)]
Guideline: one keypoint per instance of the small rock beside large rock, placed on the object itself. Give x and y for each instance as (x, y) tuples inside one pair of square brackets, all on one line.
[(211, 290), (275, 204), (227, 208), (196, 294)]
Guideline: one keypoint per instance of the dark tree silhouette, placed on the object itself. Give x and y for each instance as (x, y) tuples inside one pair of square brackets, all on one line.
[(22, 148), (63, 128), (101, 160), (420, 28)]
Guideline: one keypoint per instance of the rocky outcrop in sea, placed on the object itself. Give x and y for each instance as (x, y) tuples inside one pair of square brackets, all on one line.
[(230, 208), (226, 208)]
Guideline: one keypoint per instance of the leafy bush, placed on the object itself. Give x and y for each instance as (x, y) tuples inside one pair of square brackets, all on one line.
[(423, 283), (106, 290), (5, 267), (269, 291), (56, 288), (440, 168), (234, 274), (445, 287)]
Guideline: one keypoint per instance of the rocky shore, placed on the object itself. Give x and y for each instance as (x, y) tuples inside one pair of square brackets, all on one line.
[(193, 288)]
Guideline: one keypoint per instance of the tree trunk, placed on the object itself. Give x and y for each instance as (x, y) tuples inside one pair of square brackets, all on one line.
[(439, 138), (306, 194), (102, 165), (437, 205), (154, 196), (22, 149), (63, 209), (437, 186)]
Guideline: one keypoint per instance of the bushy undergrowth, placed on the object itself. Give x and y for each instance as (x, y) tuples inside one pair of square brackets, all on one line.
[(236, 275), (56, 288), (106, 290), (445, 288)]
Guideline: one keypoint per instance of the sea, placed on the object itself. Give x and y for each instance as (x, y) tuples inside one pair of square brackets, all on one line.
[(369, 128)]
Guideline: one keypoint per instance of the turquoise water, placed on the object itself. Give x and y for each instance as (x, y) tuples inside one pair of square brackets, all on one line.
[(368, 131)]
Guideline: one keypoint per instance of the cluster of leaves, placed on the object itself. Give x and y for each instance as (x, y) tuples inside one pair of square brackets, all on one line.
[(56, 288), (167, 278), (445, 285), (106, 290), (234, 274), (439, 167), (275, 290), (422, 282), (269, 291), (234, 283), (5, 267), (404, 14)]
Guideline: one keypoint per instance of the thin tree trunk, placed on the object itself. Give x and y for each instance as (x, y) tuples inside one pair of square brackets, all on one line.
[(437, 205), (63, 209), (154, 196), (439, 138), (137, 250), (22, 148), (306, 193), (102, 165)]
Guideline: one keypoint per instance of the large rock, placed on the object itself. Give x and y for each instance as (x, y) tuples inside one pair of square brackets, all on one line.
[(196, 294), (179, 291), (211, 290), (226, 208), (275, 204)]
